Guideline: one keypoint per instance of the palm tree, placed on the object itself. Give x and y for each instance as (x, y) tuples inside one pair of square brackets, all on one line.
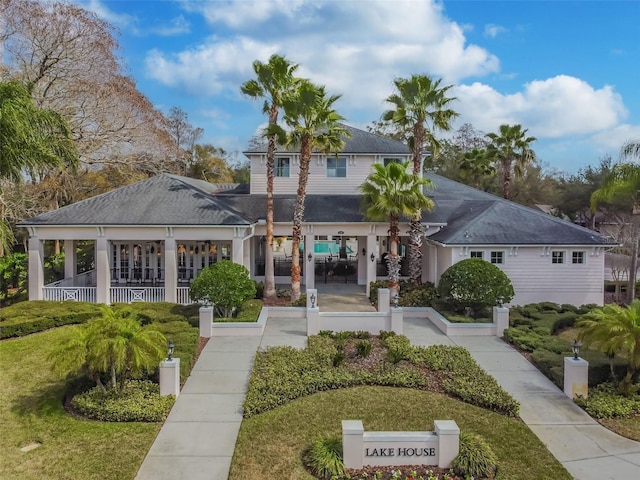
[(512, 145), (477, 165), (623, 183), (390, 193), (422, 105), (274, 80), (113, 344), (313, 124), (615, 329)]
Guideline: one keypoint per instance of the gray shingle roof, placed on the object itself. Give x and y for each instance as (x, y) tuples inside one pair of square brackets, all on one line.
[(469, 216), (359, 142), (162, 200)]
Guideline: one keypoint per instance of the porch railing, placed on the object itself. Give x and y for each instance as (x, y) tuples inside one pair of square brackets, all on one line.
[(183, 296), (85, 279), (76, 294), (136, 294)]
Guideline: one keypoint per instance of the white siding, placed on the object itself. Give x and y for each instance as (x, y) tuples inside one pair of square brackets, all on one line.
[(536, 279), (358, 168)]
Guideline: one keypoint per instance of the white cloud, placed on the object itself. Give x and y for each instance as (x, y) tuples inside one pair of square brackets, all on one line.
[(492, 31), (177, 26), (612, 140), (354, 48), (552, 108), (101, 10)]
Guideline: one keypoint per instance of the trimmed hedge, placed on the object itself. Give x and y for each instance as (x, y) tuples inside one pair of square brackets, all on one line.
[(25, 318), (411, 295), (282, 374), (605, 402)]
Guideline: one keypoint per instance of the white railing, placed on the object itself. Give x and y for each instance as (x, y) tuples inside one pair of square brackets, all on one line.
[(182, 297), (85, 279), (76, 294), (136, 294)]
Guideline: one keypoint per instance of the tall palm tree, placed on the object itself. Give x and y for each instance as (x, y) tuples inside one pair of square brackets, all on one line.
[(274, 80), (422, 105), (623, 183), (615, 329), (511, 145), (313, 124), (391, 193)]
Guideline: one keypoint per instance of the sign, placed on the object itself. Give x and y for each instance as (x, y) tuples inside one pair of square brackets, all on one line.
[(377, 449)]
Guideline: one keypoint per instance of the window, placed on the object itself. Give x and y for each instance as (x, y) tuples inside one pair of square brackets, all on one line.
[(387, 161), (497, 258), (336, 167), (577, 257), (282, 167), (476, 254), (557, 257)]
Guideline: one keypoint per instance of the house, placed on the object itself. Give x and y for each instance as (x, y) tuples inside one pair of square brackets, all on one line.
[(153, 237)]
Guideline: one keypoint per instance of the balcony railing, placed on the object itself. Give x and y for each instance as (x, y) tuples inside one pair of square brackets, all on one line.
[(74, 294)]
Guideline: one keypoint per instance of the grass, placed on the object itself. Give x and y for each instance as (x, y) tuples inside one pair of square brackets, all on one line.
[(270, 445), (32, 410)]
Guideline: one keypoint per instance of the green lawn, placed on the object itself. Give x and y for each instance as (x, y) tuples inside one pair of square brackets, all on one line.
[(31, 400), (270, 445)]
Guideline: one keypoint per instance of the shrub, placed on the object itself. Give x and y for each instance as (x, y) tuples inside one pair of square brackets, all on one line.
[(13, 275), (606, 402), (373, 290), (412, 295), (476, 457), (481, 389), (140, 401), (300, 302), (550, 364), (224, 283), (564, 321), (259, 290), (324, 458), (363, 348), (523, 338), (476, 284)]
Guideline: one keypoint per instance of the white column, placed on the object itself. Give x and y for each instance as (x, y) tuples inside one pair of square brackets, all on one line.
[(170, 377), (70, 263), (384, 300), (237, 251), (576, 377), (36, 268), (170, 270), (371, 266), (309, 266), (397, 314), (103, 277), (246, 259), (501, 320), (352, 443), (206, 322)]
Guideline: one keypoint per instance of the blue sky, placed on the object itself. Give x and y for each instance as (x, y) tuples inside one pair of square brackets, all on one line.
[(568, 71)]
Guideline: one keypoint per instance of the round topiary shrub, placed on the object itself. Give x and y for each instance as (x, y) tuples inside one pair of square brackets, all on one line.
[(324, 458), (474, 284), (475, 458), (226, 284)]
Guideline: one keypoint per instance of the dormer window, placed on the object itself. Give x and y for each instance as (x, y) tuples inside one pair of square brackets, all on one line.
[(282, 166), (336, 167)]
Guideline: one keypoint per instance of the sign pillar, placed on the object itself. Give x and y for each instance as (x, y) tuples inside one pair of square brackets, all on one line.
[(352, 443)]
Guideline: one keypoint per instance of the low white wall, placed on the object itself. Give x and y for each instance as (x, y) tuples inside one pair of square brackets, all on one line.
[(452, 329), (353, 322)]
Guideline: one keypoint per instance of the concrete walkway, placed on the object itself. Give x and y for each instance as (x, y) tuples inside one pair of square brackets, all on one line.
[(198, 439)]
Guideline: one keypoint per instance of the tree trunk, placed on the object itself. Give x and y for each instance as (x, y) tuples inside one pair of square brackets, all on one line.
[(506, 176), (393, 260), (298, 217), (269, 274), (416, 229), (633, 268)]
